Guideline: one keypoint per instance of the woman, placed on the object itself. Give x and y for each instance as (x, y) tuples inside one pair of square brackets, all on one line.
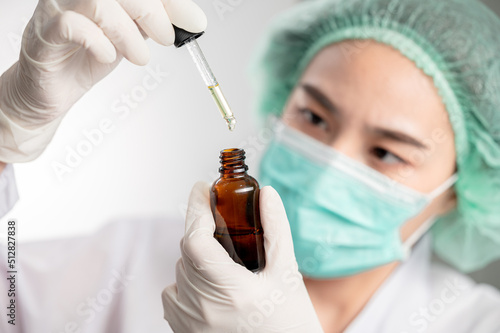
[(389, 126)]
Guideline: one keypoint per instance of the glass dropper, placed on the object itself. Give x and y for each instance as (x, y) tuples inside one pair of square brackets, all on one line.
[(183, 37)]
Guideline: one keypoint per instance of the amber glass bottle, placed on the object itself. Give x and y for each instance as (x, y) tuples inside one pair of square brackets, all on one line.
[(234, 199)]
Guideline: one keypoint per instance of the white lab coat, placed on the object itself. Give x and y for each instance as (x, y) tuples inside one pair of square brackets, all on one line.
[(111, 281)]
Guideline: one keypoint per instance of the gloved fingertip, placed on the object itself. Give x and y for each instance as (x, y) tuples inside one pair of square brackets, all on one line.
[(162, 32), (270, 199), (141, 57), (167, 36), (187, 15), (200, 24), (201, 21), (269, 192), (137, 52), (200, 235), (199, 204), (203, 225), (201, 187), (272, 212), (277, 234), (107, 54)]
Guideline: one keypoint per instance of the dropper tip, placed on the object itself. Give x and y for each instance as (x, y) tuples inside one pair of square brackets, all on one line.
[(231, 123)]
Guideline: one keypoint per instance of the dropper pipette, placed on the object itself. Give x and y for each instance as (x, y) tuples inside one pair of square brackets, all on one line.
[(183, 37)]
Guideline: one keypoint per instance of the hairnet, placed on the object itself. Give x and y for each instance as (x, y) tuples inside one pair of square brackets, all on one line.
[(457, 43)]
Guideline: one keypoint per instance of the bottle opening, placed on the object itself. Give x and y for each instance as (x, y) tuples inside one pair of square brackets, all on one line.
[(232, 161), (233, 150)]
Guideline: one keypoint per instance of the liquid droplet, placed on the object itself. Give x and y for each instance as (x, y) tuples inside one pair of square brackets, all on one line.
[(231, 123)]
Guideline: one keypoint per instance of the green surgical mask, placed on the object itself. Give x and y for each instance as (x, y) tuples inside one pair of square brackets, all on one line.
[(345, 217)]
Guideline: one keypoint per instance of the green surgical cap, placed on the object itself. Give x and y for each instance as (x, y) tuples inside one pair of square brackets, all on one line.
[(457, 43)]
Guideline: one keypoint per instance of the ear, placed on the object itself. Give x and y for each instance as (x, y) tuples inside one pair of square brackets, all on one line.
[(449, 202)]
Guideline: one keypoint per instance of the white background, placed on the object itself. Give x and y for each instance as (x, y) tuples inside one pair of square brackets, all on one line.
[(147, 165)]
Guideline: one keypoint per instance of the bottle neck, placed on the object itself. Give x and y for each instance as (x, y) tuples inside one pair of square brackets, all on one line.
[(233, 163)]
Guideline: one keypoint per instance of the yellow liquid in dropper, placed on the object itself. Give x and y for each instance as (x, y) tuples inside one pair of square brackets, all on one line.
[(223, 106)]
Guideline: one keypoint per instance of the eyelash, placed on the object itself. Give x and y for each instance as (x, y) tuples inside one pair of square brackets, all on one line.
[(377, 152), (313, 118)]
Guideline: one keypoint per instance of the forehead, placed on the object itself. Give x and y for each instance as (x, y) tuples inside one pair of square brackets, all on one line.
[(376, 82)]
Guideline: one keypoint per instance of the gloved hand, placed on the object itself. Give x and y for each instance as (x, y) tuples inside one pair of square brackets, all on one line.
[(67, 47), (214, 294)]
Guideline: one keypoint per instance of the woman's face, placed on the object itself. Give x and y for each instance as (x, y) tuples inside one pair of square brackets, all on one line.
[(368, 101)]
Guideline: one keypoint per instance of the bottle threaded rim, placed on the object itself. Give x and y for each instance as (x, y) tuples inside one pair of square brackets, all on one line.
[(232, 161)]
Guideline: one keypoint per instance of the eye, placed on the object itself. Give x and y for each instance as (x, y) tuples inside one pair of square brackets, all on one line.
[(386, 156), (313, 118)]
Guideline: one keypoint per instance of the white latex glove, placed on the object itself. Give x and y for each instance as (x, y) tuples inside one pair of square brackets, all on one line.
[(68, 46), (214, 294)]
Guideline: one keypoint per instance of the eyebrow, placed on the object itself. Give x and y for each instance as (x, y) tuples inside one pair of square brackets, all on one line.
[(400, 137), (393, 135), (319, 97)]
